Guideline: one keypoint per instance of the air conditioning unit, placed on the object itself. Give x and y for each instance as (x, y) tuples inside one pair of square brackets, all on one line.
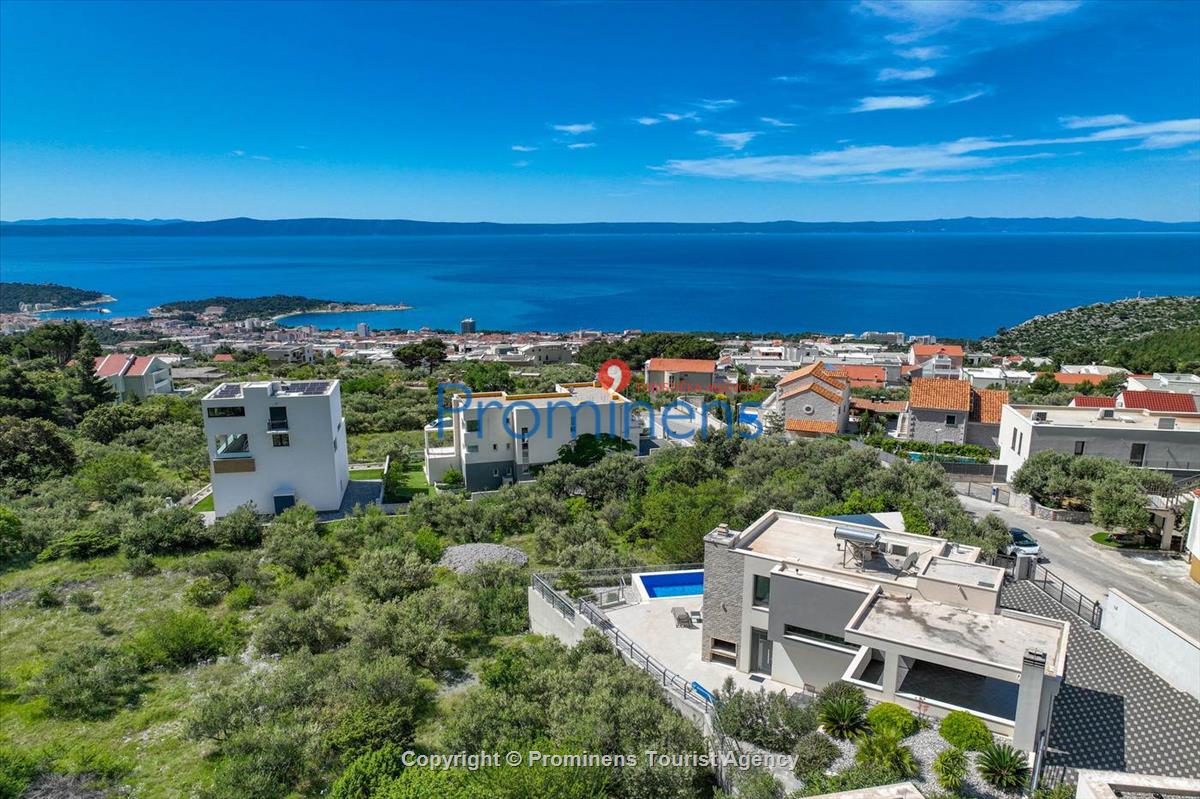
[(1166, 423), (1108, 413), (1039, 416)]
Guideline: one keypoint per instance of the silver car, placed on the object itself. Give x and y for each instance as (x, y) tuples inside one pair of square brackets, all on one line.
[(1021, 543)]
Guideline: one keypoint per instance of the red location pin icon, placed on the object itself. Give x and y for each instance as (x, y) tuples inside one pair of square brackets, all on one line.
[(614, 374)]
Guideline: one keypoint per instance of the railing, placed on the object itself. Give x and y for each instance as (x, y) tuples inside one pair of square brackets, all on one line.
[(1087, 609), (550, 595), (626, 647)]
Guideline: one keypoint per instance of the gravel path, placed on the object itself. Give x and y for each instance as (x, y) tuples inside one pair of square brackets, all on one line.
[(466, 558)]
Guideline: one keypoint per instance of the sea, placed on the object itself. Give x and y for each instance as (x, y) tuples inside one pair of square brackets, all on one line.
[(949, 284)]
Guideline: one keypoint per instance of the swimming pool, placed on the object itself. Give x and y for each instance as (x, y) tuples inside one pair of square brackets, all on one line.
[(659, 585)]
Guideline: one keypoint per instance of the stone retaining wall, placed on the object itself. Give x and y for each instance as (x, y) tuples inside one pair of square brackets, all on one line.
[(1027, 504)]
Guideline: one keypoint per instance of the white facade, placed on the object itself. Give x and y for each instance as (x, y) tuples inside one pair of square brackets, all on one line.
[(1176, 382), (1168, 441), (496, 438), (275, 444), (988, 376)]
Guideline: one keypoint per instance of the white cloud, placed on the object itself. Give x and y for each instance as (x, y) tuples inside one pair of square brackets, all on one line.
[(920, 73), (777, 123), (261, 157), (734, 141), (1102, 121), (717, 105), (523, 148), (672, 117), (892, 102), (238, 153), (575, 128), (581, 146), (922, 53), (792, 79), (957, 159), (520, 164), (648, 120), (969, 96), (941, 13)]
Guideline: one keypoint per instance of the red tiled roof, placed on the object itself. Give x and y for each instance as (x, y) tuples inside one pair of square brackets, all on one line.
[(854, 372), (809, 426), (680, 365), (223, 357), (986, 404), (816, 388), (815, 370), (139, 365), (1083, 401), (932, 392), (930, 350), (111, 365), (1071, 379), (1158, 401)]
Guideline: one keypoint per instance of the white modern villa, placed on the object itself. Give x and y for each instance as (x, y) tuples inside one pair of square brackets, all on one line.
[(1139, 437), (275, 443), (496, 438), (908, 618)]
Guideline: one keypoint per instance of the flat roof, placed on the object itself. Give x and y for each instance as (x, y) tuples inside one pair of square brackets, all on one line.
[(796, 539), (963, 573), (999, 639), (568, 393), (1122, 418), (296, 388)]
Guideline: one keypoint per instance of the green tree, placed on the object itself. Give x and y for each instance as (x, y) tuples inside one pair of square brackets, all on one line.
[(677, 518), (1119, 504), (111, 477), (430, 353), (488, 376), (589, 448), (32, 450), (12, 543), (24, 396)]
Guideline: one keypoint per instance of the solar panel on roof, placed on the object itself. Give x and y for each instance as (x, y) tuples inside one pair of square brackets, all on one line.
[(228, 391), (307, 388)]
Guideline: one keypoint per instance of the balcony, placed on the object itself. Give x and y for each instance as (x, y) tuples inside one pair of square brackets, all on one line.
[(277, 426)]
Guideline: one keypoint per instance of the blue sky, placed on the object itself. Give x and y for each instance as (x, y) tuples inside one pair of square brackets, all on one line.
[(542, 111)]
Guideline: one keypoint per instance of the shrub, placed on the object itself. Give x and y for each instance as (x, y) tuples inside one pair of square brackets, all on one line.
[(890, 717), (171, 529), (316, 629), (843, 717), (951, 768), (292, 541), (1003, 767), (369, 773), (453, 478), (89, 682), (965, 731), (12, 543), (18, 768), (241, 598), (761, 718), (239, 528), (141, 565), (852, 779), (46, 597), (386, 700), (84, 601), (839, 690), (110, 478), (815, 753), (389, 573), (81, 544), (884, 750), (203, 592), (174, 639)]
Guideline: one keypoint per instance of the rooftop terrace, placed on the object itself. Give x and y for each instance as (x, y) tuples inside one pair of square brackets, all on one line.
[(1118, 419)]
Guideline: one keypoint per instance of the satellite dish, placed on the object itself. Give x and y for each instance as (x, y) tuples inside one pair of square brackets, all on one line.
[(909, 561)]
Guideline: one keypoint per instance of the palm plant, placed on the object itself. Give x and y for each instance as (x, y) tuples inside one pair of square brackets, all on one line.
[(884, 750), (843, 717), (951, 768), (1003, 767)]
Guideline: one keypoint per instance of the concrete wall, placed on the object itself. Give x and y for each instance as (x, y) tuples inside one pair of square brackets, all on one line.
[(983, 435), (801, 664), (545, 620), (1156, 644)]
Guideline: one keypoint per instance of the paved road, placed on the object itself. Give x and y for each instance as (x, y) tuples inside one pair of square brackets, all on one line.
[(1161, 584)]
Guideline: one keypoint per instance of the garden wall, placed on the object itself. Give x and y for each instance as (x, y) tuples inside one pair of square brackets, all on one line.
[(1157, 644), (1027, 504)]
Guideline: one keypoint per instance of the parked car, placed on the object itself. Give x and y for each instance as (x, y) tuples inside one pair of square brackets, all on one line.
[(1022, 543)]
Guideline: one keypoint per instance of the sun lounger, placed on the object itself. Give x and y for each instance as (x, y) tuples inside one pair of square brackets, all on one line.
[(682, 617)]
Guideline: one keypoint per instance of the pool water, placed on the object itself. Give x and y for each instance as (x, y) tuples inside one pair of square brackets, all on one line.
[(690, 583)]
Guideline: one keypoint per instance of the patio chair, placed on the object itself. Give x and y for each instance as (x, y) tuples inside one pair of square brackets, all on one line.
[(682, 617)]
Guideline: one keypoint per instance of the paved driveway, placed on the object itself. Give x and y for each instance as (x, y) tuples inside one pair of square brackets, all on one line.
[(1112, 712), (1156, 581)]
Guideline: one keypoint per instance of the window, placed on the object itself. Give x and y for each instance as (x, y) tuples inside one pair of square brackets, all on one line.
[(229, 410), (792, 631), (277, 418), (472, 425), (1020, 443), (1013, 446), (233, 445), (1137, 454), (281, 440), (1079, 447), (762, 591), (951, 419)]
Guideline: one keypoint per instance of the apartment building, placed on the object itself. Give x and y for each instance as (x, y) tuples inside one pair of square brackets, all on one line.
[(132, 376), (1176, 382), (813, 402), (275, 444), (988, 376), (1140, 437), (910, 619), (934, 360), (951, 411), (496, 438)]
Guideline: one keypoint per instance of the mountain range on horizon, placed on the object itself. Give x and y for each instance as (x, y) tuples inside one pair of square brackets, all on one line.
[(320, 226)]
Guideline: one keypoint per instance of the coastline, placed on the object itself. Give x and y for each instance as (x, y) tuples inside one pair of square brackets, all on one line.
[(345, 309), (103, 299)]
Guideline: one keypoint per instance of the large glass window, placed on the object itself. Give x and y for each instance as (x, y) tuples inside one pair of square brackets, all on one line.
[(228, 410), (762, 591), (792, 631), (233, 445), (281, 440)]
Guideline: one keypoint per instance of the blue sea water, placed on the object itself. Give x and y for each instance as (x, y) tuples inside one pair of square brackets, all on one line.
[(948, 284)]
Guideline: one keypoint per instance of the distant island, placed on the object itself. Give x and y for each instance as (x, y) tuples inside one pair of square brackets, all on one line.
[(38, 297), (406, 227), (274, 306)]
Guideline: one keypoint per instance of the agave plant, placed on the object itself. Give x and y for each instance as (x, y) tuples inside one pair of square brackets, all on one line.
[(884, 750), (1003, 767), (843, 717)]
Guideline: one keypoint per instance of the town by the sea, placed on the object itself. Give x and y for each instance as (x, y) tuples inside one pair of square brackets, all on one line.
[(964, 285)]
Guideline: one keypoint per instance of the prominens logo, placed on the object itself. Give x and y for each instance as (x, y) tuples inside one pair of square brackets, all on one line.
[(614, 374)]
